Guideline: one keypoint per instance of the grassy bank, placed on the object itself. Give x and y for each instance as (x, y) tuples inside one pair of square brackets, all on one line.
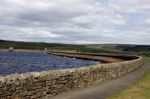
[(147, 59), (140, 90)]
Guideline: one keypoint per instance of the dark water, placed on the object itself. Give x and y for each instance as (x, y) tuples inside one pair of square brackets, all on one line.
[(22, 62)]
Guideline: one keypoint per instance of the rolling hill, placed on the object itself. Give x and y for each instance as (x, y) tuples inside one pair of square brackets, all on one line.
[(93, 48)]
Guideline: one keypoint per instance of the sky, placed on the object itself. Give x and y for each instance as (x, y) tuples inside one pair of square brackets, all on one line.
[(76, 21)]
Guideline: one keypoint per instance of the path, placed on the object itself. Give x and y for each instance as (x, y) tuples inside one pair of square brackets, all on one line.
[(104, 59), (103, 90)]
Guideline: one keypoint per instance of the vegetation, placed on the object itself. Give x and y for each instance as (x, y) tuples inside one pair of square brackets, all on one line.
[(141, 90), (147, 59), (35, 45), (86, 48)]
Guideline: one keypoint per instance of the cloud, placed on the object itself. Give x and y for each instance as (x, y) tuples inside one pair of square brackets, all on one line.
[(76, 21), (130, 6), (147, 21)]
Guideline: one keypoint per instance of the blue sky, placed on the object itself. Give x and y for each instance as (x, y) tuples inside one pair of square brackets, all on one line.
[(76, 21)]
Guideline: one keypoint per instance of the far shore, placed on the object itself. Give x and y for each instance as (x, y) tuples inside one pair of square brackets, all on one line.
[(23, 50)]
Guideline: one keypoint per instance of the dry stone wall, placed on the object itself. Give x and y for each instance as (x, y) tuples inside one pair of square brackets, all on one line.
[(37, 85)]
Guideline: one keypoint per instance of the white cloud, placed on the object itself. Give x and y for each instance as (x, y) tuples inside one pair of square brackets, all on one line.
[(118, 21), (76, 21), (130, 6), (147, 21)]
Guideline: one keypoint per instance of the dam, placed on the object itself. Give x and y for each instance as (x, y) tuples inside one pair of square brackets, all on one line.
[(48, 83)]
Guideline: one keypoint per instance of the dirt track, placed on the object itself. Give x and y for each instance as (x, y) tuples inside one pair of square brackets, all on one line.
[(90, 57), (105, 89)]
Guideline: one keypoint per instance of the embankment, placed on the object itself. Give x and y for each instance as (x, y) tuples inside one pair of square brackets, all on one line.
[(38, 85)]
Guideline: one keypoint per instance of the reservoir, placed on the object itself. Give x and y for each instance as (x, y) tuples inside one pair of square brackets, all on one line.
[(22, 62)]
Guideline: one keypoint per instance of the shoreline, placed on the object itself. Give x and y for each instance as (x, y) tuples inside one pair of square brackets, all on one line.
[(23, 50)]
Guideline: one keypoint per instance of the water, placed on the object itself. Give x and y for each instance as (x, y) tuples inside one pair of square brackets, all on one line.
[(22, 62)]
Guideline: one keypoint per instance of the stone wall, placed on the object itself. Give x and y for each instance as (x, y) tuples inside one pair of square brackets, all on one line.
[(37, 85)]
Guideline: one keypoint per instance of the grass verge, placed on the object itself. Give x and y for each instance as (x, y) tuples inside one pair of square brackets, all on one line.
[(147, 59), (140, 90)]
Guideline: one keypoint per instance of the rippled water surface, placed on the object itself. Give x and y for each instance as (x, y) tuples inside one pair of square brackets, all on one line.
[(22, 62)]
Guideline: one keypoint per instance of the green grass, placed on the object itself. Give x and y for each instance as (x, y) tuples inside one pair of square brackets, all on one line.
[(147, 59), (140, 90)]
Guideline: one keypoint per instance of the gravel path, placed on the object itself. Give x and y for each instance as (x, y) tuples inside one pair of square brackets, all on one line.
[(103, 90)]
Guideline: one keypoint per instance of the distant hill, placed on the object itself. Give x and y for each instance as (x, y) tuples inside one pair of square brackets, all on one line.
[(93, 48), (33, 45), (136, 48), (122, 47), (2, 40)]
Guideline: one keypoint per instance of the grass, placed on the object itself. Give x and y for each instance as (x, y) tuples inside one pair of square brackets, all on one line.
[(147, 59), (140, 90)]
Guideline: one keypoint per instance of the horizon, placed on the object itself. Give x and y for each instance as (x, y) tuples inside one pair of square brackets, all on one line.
[(76, 21), (77, 44)]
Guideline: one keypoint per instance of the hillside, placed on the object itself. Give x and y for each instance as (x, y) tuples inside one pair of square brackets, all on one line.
[(93, 48)]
